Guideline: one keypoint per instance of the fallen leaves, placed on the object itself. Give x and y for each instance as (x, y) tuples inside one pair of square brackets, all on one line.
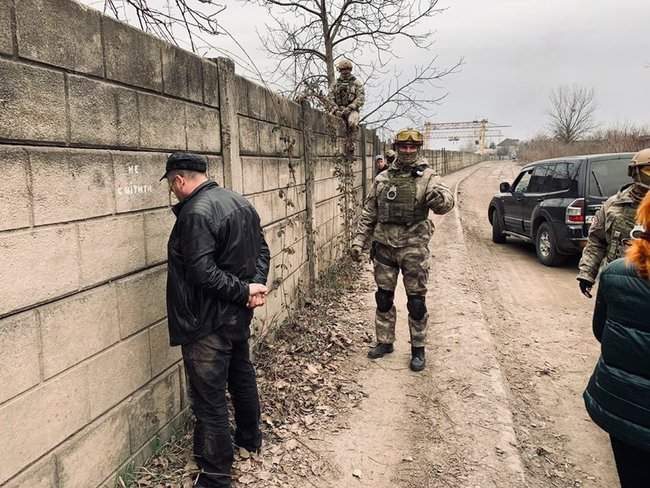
[(304, 382)]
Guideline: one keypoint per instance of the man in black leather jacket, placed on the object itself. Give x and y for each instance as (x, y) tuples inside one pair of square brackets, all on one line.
[(217, 270)]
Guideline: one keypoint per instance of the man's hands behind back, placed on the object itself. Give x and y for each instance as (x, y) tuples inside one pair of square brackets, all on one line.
[(256, 295)]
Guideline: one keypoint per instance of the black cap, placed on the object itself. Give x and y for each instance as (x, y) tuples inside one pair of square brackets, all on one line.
[(184, 160)]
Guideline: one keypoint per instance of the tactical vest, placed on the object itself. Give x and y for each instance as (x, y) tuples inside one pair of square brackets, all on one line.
[(397, 202), (344, 91), (619, 230)]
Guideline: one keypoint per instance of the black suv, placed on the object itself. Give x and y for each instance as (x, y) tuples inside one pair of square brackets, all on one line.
[(551, 203)]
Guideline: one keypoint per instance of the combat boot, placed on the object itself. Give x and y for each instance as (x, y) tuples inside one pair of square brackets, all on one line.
[(380, 350), (417, 359)]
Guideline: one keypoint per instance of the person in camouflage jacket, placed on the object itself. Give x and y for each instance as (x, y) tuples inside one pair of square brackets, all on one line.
[(395, 220), (347, 95), (613, 223)]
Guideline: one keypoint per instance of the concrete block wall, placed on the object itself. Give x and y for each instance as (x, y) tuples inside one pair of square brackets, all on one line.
[(89, 110), (289, 154)]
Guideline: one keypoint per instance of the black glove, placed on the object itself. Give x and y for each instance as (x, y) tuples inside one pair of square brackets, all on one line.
[(585, 287)]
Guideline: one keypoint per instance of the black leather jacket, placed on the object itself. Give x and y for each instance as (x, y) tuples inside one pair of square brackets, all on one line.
[(215, 250)]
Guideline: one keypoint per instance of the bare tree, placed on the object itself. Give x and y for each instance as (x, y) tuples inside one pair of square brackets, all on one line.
[(192, 24), (306, 37), (572, 113)]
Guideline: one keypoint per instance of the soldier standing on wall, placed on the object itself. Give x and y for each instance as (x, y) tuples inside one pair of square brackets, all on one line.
[(346, 97), (395, 218), (613, 222)]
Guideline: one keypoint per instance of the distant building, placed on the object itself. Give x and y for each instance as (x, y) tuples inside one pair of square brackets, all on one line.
[(508, 148)]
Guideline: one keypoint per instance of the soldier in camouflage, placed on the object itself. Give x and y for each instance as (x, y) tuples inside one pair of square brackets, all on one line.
[(391, 156), (395, 219), (613, 222), (347, 96)]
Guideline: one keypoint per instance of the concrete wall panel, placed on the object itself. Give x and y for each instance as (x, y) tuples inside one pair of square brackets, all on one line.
[(132, 56), (35, 97), (182, 74), (165, 122), (152, 409), (15, 202), (79, 465), (19, 354), (63, 401), (203, 129), (78, 327), (137, 181), (118, 372), (102, 114), (60, 33), (111, 247), (141, 299), (71, 185), (162, 354), (46, 261), (249, 138), (41, 475), (157, 228), (6, 38), (210, 83)]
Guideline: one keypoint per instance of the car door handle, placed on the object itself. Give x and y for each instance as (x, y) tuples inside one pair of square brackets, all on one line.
[(540, 199)]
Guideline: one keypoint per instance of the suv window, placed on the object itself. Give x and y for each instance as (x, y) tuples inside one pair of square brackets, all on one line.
[(607, 177), (563, 176), (539, 183), (521, 185)]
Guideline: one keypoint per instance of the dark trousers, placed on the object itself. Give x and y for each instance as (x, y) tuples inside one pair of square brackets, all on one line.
[(212, 363), (632, 464)]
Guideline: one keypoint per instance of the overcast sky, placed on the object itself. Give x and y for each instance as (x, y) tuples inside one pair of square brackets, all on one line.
[(515, 52)]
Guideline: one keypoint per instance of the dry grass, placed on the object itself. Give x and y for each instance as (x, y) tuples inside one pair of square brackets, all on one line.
[(626, 139)]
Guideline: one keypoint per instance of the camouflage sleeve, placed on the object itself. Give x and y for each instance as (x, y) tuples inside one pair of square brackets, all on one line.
[(594, 253), (439, 198), (360, 98), (368, 219)]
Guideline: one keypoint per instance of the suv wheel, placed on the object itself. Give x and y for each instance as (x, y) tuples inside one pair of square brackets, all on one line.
[(498, 236), (546, 246)]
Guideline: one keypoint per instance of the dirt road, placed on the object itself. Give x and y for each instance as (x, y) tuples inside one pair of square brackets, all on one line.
[(509, 352)]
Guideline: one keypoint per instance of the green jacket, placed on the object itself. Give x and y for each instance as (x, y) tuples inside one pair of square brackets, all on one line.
[(618, 394), (430, 194)]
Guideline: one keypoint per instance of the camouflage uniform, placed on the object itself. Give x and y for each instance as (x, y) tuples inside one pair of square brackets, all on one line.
[(395, 219), (347, 93), (612, 223)]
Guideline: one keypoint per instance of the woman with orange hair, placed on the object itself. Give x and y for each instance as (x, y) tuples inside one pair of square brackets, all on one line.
[(618, 394)]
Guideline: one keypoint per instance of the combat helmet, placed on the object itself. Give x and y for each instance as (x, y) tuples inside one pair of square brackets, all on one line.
[(344, 63), (639, 167)]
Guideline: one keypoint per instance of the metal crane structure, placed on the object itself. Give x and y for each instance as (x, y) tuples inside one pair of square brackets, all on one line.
[(480, 130)]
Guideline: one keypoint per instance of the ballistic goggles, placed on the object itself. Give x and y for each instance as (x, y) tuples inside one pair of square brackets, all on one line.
[(409, 136)]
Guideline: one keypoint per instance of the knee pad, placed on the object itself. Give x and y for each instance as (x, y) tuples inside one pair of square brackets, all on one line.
[(416, 306), (384, 299)]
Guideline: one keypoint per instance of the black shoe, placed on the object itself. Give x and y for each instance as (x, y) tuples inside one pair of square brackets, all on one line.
[(417, 359), (379, 350)]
